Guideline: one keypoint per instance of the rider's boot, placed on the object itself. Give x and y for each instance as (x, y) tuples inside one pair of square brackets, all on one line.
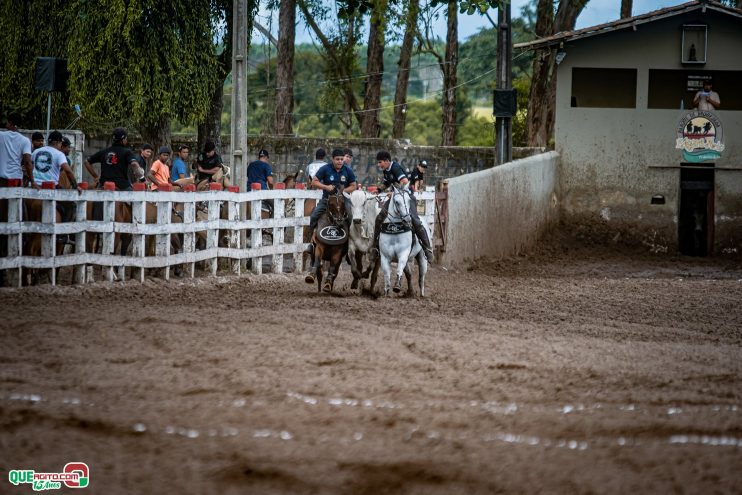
[(422, 236)]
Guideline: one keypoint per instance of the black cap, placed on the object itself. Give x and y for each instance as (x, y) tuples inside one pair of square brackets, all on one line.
[(55, 137), (37, 135), (119, 134), (263, 153), (147, 146), (184, 147), (164, 149), (423, 164)]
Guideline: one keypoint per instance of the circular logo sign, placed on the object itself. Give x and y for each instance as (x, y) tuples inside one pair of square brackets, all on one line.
[(700, 136), (332, 235)]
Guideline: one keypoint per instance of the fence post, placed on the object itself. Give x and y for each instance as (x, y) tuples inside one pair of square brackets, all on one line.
[(278, 214), (233, 214), (81, 216), (109, 217), (256, 235), (212, 235), (162, 249), (189, 238), (299, 232), (139, 217), (15, 241), (49, 217)]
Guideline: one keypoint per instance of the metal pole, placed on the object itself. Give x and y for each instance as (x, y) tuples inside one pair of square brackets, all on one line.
[(239, 102), (504, 142), (48, 114)]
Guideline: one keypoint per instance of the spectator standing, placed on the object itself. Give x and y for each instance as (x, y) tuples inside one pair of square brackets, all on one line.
[(15, 153), (260, 172), (37, 141), (117, 162), (159, 172), (145, 153), (707, 98), (49, 161), (180, 170), (318, 163)]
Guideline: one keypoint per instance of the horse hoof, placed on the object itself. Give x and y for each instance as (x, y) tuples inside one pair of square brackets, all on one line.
[(327, 287), (354, 284), (309, 279), (397, 290)]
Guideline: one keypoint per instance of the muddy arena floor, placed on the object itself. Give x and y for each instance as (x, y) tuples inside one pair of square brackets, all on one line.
[(572, 370)]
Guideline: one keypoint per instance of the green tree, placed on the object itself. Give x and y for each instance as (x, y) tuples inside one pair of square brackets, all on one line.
[(30, 29), (146, 62)]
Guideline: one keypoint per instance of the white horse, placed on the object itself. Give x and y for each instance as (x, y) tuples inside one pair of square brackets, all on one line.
[(396, 244), (365, 209)]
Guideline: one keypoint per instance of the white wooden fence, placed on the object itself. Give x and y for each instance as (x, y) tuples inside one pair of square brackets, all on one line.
[(17, 228)]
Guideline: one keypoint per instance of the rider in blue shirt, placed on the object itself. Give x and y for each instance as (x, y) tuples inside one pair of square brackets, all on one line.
[(329, 178), (394, 174)]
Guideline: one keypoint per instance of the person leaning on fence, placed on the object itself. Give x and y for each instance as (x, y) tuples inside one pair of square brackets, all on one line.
[(394, 174), (15, 153), (50, 161), (145, 153), (116, 162), (329, 178), (260, 172), (159, 172), (209, 166)]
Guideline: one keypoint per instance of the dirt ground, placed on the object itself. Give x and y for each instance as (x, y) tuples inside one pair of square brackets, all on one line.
[(572, 370)]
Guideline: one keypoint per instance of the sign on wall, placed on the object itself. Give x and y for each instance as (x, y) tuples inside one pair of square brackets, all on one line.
[(699, 135)]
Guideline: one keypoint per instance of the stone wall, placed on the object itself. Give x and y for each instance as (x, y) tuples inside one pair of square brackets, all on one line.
[(289, 155)]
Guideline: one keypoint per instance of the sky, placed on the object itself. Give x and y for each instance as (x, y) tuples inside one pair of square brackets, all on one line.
[(596, 12)]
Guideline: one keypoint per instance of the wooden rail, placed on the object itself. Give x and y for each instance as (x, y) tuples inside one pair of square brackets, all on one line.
[(239, 246)]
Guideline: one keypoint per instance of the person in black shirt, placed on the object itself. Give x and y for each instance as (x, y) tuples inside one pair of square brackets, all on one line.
[(116, 162), (209, 167), (417, 176), (394, 174)]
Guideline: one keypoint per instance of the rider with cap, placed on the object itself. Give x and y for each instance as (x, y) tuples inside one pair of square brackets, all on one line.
[(417, 176), (394, 174), (209, 164), (116, 162), (329, 178)]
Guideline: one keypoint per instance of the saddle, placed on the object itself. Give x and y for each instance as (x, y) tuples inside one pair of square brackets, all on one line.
[(330, 234), (395, 228)]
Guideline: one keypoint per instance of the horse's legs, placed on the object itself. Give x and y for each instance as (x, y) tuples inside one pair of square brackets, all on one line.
[(374, 276), (401, 265), (408, 275), (386, 267), (318, 265), (332, 272), (422, 267)]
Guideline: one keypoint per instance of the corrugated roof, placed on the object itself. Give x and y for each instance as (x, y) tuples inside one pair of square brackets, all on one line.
[(629, 22)]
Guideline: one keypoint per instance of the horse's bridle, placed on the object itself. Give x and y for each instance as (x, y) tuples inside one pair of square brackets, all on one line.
[(403, 219), (333, 218)]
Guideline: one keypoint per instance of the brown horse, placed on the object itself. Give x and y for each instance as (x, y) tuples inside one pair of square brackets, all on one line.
[(330, 243), (32, 242)]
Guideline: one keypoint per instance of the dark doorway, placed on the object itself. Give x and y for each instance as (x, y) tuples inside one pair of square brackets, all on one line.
[(696, 219)]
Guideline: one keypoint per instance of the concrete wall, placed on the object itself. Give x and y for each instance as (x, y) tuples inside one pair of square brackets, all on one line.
[(611, 157), (503, 210), (288, 155)]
